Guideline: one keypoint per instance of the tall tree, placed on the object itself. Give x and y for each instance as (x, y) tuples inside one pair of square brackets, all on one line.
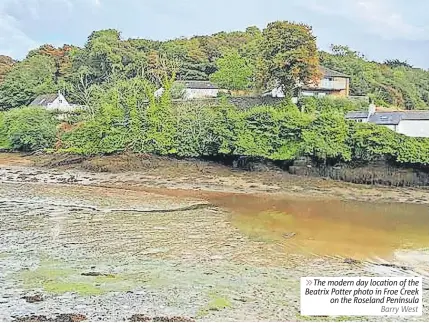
[(60, 56), (397, 63), (288, 56), (234, 72), (6, 64), (29, 78)]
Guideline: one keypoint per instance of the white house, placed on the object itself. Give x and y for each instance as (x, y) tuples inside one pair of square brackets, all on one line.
[(410, 123), (53, 102), (195, 89)]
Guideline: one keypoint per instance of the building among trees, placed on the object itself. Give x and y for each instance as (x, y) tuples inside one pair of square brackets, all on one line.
[(410, 123), (52, 102), (192, 90), (332, 83)]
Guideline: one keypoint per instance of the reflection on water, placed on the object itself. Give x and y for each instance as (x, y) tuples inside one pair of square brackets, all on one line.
[(330, 227)]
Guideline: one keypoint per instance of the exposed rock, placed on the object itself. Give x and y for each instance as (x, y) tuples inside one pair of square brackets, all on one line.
[(289, 235), (70, 318), (351, 261), (97, 274), (58, 318), (145, 318), (32, 318), (34, 298)]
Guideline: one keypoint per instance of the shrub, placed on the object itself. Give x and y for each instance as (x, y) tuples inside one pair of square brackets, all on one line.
[(29, 129), (372, 142), (92, 137), (326, 137), (4, 140), (195, 135)]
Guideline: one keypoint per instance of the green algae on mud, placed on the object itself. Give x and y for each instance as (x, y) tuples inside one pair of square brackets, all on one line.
[(217, 302), (60, 278)]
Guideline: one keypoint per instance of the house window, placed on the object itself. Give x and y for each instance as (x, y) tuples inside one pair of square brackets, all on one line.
[(60, 101)]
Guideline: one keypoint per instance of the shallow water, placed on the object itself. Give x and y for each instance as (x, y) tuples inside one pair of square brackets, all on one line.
[(323, 227), (331, 227)]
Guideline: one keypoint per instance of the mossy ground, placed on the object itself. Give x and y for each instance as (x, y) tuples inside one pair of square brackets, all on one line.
[(217, 302), (59, 278)]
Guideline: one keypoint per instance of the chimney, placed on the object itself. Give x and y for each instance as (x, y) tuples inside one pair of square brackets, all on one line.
[(372, 109)]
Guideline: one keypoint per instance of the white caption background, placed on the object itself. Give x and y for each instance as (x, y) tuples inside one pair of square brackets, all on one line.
[(361, 296)]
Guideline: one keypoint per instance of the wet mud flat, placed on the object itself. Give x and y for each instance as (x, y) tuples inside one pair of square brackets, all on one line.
[(146, 171), (158, 248), (189, 264)]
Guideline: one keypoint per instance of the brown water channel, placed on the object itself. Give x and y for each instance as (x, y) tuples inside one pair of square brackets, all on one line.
[(331, 227), (320, 227)]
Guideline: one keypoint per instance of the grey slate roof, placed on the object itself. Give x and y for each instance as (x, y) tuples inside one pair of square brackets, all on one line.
[(357, 115), (44, 100), (327, 72), (200, 85), (389, 118), (415, 115), (386, 118)]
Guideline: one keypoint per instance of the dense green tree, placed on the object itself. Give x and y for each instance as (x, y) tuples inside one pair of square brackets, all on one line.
[(196, 135), (234, 72), (194, 63), (6, 64), (28, 79), (397, 63), (289, 55), (59, 55), (371, 142), (326, 138), (28, 129)]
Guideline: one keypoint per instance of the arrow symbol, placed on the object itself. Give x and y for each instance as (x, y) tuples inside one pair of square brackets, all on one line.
[(309, 282)]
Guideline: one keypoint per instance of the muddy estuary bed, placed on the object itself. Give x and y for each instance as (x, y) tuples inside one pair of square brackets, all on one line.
[(110, 253)]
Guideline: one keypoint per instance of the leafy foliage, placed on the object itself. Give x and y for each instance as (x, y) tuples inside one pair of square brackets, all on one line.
[(393, 83), (116, 79), (27, 129), (234, 72), (371, 142), (326, 138), (6, 64), (289, 55), (252, 59), (27, 79)]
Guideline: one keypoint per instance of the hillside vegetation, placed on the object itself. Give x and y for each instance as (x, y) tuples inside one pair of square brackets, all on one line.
[(251, 60), (116, 79)]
